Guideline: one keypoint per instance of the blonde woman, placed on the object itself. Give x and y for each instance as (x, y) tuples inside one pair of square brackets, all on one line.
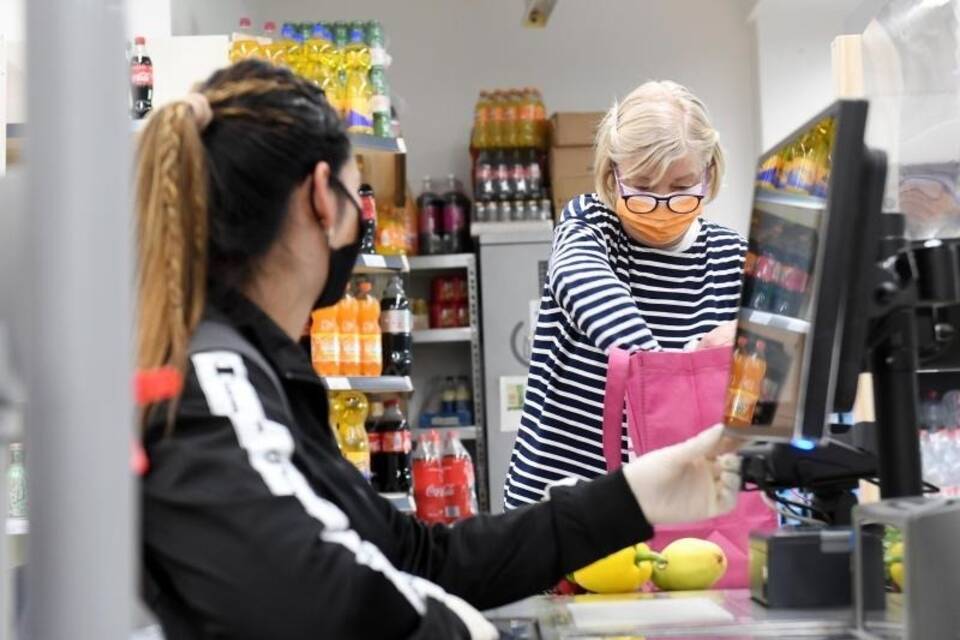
[(635, 266)]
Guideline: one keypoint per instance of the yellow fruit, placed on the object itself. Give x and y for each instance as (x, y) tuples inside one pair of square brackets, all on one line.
[(895, 564), (690, 564), (621, 572)]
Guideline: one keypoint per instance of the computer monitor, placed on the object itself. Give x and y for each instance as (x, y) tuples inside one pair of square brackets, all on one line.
[(803, 320)]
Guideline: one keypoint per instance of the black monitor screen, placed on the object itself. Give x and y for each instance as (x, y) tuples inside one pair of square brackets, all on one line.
[(772, 367)]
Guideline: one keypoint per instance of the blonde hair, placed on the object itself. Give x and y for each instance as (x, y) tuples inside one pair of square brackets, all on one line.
[(654, 126)]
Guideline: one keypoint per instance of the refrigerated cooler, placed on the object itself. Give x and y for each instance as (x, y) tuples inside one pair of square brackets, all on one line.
[(513, 268)]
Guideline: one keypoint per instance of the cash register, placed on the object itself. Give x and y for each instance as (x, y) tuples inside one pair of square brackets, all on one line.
[(831, 290)]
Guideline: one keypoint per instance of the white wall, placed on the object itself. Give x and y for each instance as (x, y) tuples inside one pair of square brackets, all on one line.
[(445, 51), (794, 70)]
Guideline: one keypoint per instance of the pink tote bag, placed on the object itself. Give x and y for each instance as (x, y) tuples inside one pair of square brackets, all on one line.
[(671, 397)]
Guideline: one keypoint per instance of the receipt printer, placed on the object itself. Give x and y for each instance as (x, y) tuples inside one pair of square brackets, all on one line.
[(808, 567)]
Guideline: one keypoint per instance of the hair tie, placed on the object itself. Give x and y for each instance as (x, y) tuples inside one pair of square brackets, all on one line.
[(202, 111)]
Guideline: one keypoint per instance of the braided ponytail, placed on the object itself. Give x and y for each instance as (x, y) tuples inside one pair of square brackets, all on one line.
[(171, 236)]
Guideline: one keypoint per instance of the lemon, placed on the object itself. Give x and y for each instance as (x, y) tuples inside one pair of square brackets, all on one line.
[(894, 561), (690, 564), (622, 572)]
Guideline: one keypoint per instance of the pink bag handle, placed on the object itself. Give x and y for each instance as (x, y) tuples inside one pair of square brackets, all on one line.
[(618, 368)]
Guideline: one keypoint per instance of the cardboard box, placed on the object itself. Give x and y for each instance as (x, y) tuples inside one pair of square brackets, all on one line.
[(565, 189), (574, 129), (571, 162), (571, 174)]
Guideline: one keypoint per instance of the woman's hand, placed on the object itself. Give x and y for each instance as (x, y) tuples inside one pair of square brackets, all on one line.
[(690, 481), (722, 335)]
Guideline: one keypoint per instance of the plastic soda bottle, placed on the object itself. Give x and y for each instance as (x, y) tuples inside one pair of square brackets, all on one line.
[(391, 462), (336, 414), (359, 110), (526, 120), (458, 480), (736, 374), (390, 230), (289, 49), (380, 103), (540, 118), (747, 393), (481, 122), (319, 45), (371, 346), (353, 435), (270, 46), (428, 488), (325, 342), (348, 324), (511, 108), (396, 323), (244, 43), (496, 124)]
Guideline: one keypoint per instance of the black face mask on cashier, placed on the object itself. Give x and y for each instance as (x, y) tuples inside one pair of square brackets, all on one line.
[(342, 260)]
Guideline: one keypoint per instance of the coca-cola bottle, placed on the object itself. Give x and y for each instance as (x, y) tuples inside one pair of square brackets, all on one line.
[(368, 220), (396, 323), (428, 491), (458, 480), (141, 79), (390, 464), (484, 185)]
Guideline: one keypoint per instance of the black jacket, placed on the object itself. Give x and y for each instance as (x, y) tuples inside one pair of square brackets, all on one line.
[(254, 526)]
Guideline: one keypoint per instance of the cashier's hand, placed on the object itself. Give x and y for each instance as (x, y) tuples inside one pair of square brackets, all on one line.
[(723, 335), (690, 481)]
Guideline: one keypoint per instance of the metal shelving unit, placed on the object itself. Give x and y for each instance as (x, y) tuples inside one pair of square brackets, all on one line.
[(372, 264), (764, 318), (437, 336), (382, 384), (796, 208), (444, 347), (375, 144), (402, 501)]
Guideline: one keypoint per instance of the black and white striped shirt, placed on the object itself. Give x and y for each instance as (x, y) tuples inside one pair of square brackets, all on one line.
[(603, 290)]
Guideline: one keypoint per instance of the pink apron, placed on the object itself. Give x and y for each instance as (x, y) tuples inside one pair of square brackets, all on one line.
[(672, 397)]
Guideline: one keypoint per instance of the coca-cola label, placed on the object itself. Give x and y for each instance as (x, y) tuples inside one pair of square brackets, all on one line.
[(141, 75), (396, 321), (395, 442), (375, 443), (457, 472), (368, 208)]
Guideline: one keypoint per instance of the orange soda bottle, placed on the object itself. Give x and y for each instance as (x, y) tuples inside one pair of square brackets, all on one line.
[(348, 323), (325, 342), (371, 345), (736, 374), (495, 135), (511, 113), (526, 120), (747, 393)]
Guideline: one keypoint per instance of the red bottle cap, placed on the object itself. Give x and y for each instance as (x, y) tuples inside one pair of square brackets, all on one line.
[(139, 40), (245, 23), (270, 26)]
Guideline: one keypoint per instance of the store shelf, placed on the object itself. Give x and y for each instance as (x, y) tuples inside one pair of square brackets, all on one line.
[(437, 336), (372, 263), (775, 321), (383, 384), (402, 501), (436, 263), (17, 526), (798, 209), (362, 142), (509, 228), (465, 433), (938, 370)]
